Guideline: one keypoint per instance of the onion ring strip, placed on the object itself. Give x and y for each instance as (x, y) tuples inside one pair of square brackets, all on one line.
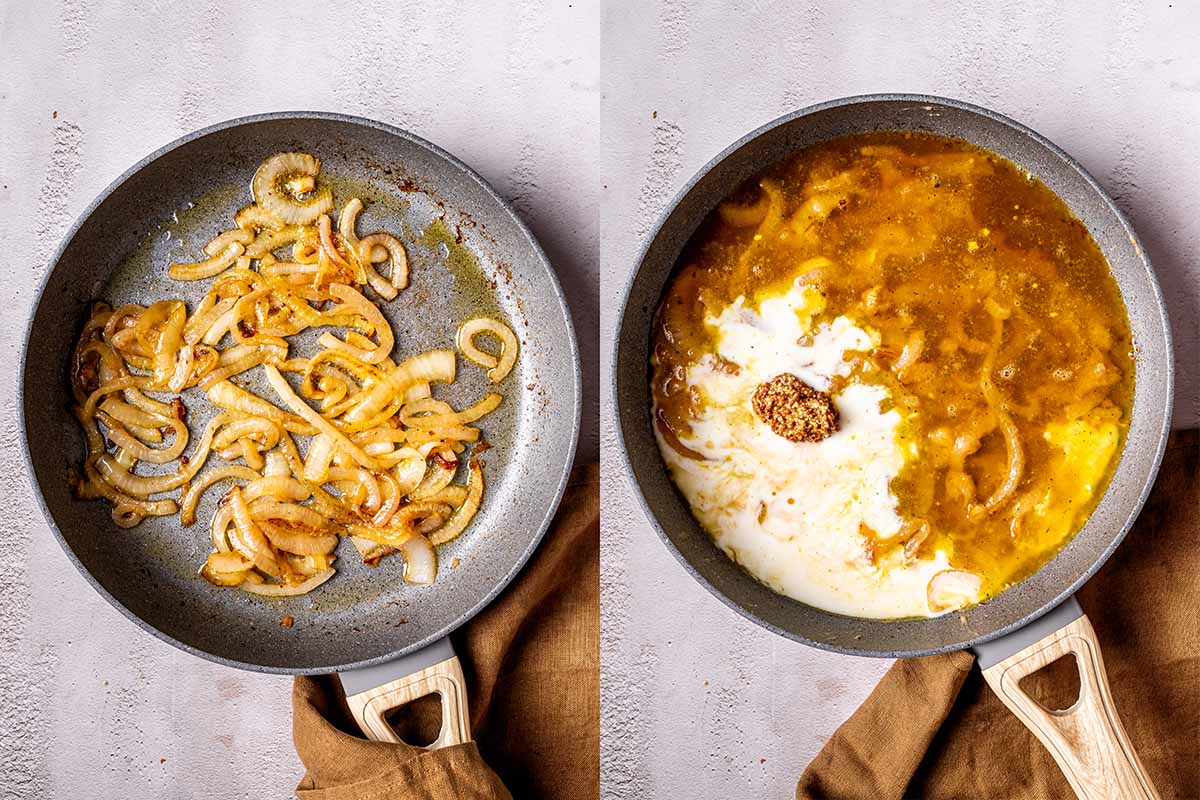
[(348, 221), (222, 241), (282, 590), (231, 396), (435, 365), (214, 265), (396, 254), (1012, 441), (497, 367), (314, 419), (190, 497), (248, 539), (347, 296), (292, 540), (463, 515)]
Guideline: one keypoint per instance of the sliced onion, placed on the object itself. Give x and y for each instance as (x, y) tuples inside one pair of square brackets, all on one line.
[(298, 541), (452, 495), (268, 241), (463, 515), (250, 357), (310, 416), (410, 470), (953, 588), (435, 365), (360, 478), (309, 564), (436, 478), (368, 310), (231, 396), (191, 496), (153, 435), (420, 560), (304, 516), (256, 218), (219, 529), (490, 402), (1012, 438), (134, 417), (222, 241), (367, 249), (164, 346), (390, 493), (348, 221), (259, 429), (277, 487), (114, 494), (370, 551), (276, 464), (379, 436), (286, 590), (271, 191), (318, 458), (453, 433), (389, 535), (248, 539), (497, 367), (910, 355), (120, 437), (225, 569), (214, 265), (140, 486), (227, 562), (330, 247)]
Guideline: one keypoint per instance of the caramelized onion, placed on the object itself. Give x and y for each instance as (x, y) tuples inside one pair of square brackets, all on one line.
[(316, 420), (385, 448), (368, 246), (420, 560), (286, 590), (436, 365), (463, 515), (272, 192), (248, 539), (498, 367), (214, 265), (191, 495)]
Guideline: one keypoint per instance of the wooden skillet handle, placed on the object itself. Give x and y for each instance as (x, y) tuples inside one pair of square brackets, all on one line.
[(372, 692), (1087, 740)]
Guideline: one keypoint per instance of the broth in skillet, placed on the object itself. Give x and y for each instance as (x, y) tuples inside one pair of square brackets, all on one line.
[(893, 375)]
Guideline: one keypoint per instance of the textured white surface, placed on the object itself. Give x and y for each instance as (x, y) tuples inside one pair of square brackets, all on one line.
[(694, 697), (92, 705)]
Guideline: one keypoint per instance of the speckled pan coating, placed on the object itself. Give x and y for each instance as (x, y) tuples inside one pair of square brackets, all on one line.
[(118, 251), (1152, 397)]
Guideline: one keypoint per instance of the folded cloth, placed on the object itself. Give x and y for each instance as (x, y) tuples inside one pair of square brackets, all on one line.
[(532, 664), (933, 729)]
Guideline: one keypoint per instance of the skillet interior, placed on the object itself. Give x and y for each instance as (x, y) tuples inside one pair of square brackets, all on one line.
[(1149, 426), (118, 253)]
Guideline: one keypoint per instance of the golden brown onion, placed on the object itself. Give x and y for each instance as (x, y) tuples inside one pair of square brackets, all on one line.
[(498, 367), (272, 190)]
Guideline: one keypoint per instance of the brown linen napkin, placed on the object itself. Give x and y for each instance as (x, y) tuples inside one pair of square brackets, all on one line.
[(933, 729), (532, 664)]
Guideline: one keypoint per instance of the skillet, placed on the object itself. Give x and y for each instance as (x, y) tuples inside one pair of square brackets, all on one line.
[(468, 253), (1032, 623)]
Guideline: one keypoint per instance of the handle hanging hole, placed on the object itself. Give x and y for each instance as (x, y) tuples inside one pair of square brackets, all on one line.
[(1055, 687), (418, 722)]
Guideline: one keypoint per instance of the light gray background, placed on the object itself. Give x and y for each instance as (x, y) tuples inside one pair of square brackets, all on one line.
[(93, 706), (696, 701)]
